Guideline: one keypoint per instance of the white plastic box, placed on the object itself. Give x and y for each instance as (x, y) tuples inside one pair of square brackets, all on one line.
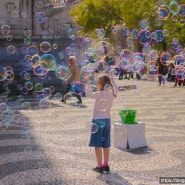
[(129, 136)]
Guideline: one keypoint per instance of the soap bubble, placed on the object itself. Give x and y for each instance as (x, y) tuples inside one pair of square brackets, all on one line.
[(113, 70), (100, 33), (180, 74), (62, 72), (40, 68), (94, 128), (87, 70), (181, 11), (27, 40), (146, 16), (61, 55), (126, 31), (173, 7), (45, 47), (9, 37), (77, 87), (49, 60), (87, 42), (144, 24), (15, 14), (11, 49), (35, 58), (26, 106), (5, 29), (103, 48), (32, 50), (40, 17), (44, 103), (58, 96), (159, 35), (138, 66), (101, 65), (134, 33), (27, 33), (29, 85), (161, 2), (71, 98), (163, 12), (71, 33), (126, 54), (38, 87), (144, 37)]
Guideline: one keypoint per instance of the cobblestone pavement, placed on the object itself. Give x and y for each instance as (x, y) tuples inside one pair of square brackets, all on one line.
[(50, 146)]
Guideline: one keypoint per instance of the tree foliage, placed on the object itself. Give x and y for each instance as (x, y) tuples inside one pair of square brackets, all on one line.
[(93, 14), (97, 14)]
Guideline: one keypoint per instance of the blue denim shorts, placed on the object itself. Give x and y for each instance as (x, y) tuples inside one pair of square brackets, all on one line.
[(100, 133)]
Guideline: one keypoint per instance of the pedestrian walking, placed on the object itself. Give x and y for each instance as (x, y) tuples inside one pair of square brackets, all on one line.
[(74, 77)]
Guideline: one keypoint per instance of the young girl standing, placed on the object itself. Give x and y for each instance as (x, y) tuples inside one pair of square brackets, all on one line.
[(101, 124)]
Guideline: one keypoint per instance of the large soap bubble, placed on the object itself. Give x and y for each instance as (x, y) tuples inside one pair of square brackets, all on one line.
[(126, 54), (45, 47), (144, 37), (144, 24), (77, 87), (113, 70), (173, 7), (50, 61), (5, 29), (163, 12), (40, 17), (100, 33), (134, 33), (71, 33), (101, 65), (11, 49), (40, 68), (181, 11), (87, 70), (103, 48), (62, 72)]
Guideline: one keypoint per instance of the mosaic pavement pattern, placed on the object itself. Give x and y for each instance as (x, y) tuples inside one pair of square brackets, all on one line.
[(50, 146)]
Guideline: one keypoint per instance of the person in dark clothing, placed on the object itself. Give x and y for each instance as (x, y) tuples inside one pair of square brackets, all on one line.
[(162, 71), (171, 76)]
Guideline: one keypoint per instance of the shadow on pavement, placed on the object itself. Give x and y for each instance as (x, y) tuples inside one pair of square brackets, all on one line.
[(138, 151), (22, 159), (113, 178), (141, 151)]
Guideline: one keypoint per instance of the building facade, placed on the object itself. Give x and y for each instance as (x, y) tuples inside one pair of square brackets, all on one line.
[(40, 16)]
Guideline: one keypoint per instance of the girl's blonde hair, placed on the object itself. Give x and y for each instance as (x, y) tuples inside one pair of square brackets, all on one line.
[(104, 80)]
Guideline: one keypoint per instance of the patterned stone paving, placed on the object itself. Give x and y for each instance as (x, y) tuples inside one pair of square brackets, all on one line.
[(50, 146)]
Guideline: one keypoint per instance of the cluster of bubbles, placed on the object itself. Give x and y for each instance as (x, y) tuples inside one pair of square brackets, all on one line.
[(145, 63), (39, 60)]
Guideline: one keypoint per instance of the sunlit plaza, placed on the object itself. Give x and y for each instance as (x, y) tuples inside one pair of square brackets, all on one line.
[(44, 141)]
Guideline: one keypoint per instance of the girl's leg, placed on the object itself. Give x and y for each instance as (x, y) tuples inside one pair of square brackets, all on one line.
[(106, 153), (98, 152)]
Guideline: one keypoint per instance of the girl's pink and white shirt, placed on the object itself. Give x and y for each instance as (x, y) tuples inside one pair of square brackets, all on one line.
[(103, 100)]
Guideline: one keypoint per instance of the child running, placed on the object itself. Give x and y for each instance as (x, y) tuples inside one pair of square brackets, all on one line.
[(107, 90)]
